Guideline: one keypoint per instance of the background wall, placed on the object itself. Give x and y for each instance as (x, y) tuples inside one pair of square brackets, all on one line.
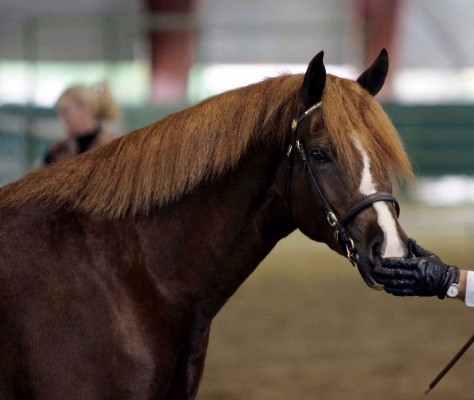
[(277, 30), (58, 39), (304, 326)]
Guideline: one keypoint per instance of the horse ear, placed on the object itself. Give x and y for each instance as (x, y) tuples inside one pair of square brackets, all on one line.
[(314, 80), (372, 78)]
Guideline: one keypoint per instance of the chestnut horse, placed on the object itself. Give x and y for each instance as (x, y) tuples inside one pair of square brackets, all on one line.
[(113, 264)]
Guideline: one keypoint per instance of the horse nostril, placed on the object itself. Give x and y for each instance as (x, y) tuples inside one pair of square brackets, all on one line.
[(375, 251)]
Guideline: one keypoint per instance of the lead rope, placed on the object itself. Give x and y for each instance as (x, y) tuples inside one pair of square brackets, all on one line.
[(449, 365)]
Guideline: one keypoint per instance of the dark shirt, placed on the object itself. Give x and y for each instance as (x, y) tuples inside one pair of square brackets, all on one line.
[(83, 143)]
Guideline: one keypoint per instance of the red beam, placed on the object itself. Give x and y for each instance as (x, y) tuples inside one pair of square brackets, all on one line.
[(171, 54)]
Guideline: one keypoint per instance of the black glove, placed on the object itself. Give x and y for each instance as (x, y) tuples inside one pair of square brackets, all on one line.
[(423, 275)]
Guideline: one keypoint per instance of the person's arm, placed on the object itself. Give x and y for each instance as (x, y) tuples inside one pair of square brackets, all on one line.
[(468, 289), (462, 285)]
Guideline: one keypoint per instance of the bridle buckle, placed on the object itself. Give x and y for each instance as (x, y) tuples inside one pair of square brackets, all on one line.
[(332, 219)]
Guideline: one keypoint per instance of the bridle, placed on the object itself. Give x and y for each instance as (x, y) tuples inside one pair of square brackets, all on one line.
[(341, 233)]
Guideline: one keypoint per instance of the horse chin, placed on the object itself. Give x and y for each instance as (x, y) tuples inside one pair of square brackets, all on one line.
[(366, 269)]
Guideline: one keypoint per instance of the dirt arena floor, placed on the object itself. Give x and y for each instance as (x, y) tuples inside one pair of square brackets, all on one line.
[(304, 326)]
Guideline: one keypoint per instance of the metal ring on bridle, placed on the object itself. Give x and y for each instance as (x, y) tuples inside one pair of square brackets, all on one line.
[(351, 252)]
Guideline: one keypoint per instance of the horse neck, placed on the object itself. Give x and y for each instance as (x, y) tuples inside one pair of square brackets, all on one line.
[(208, 243)]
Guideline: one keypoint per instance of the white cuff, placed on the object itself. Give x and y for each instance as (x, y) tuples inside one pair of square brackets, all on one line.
[(469, 300)]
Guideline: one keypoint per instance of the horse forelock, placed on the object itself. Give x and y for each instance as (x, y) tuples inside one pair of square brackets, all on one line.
[(349, 110)]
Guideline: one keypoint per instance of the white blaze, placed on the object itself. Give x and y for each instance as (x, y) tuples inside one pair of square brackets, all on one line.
[(392, 246)]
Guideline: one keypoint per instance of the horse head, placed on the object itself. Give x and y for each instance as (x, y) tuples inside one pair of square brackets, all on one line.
[(342, 156)]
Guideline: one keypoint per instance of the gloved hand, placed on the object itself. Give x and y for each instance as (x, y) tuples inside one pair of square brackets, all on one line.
[(423, 275)]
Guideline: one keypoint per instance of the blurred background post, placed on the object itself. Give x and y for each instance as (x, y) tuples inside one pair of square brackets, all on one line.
[(159, 56)]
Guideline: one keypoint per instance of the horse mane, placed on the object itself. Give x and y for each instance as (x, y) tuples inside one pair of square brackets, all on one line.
[(156, 165)]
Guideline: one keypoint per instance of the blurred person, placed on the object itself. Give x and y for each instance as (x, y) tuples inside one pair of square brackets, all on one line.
[(84, 110), (425, 274)]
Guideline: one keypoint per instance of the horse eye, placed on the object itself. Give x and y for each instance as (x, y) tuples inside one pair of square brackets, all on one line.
[(319, 156)]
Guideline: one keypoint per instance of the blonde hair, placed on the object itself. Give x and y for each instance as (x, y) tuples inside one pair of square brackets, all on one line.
[(98, 97)]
